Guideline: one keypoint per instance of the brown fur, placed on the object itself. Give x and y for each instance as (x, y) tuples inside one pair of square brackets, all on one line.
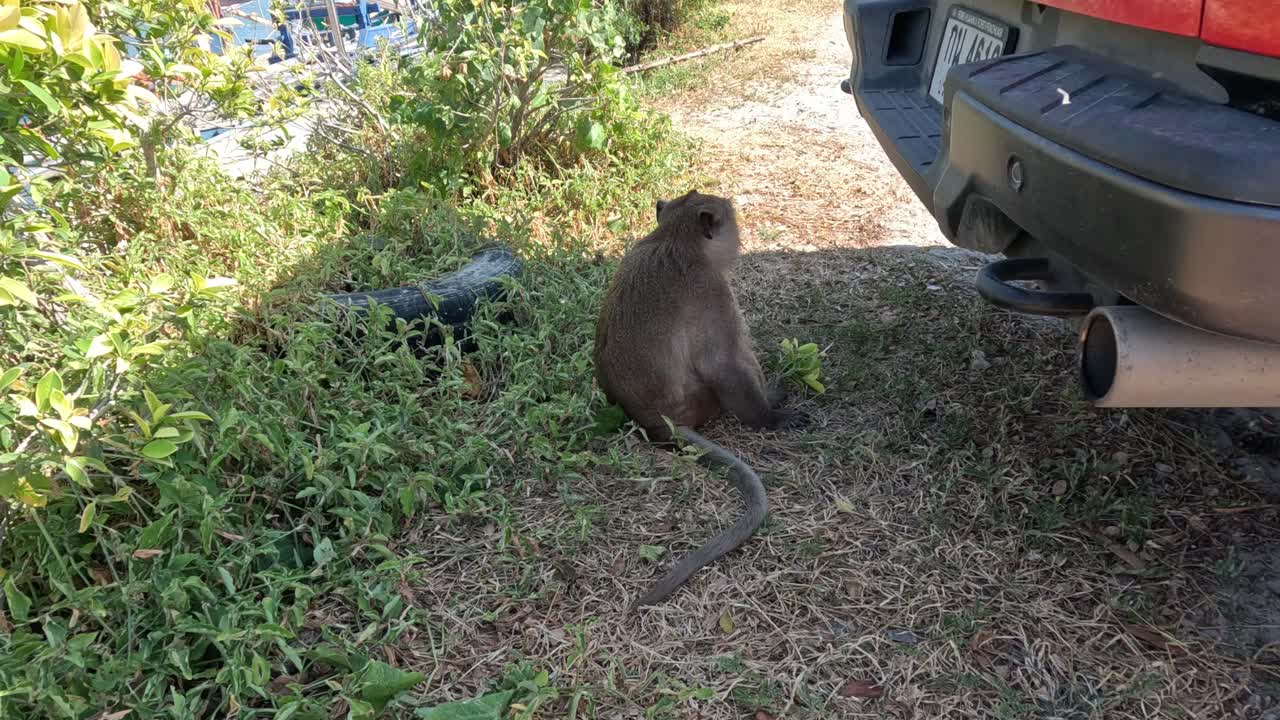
[(671, 344)]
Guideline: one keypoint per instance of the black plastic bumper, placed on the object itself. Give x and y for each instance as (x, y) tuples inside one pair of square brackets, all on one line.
[(1170, 201), (1209, 263)]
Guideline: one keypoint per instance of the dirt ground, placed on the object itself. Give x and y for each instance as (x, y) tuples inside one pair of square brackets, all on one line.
[(956, 535)]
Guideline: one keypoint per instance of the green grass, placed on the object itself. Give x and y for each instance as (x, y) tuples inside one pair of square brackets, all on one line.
[(267, 570)]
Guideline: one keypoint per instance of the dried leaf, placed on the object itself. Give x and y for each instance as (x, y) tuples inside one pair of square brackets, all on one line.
[(279, 685), (1060, 488), (762, 715), (1128, 556), (1155, 638), (147, 553), (861, 689), (475, 386), (726, 623), (228, 535), (980, 638)]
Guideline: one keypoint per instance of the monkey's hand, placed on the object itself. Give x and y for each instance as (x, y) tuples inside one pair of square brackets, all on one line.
[(777, 393)]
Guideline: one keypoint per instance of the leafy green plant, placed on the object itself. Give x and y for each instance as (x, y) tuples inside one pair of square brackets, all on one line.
[(506, 81), (802, 364), (81, 334)]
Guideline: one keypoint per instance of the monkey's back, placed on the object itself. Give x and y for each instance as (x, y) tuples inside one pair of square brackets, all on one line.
[(652, 327)]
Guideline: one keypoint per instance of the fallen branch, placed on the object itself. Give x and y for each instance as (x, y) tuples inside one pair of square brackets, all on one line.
[(689, 56)]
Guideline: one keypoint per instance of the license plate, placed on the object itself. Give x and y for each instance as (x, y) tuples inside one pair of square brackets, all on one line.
[(968, 37)]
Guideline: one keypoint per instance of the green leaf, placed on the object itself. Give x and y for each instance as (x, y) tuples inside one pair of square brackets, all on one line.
[(57, 259), (155, 533), (19, 604), (26, 408), (153, 402), (408, 494), (202, 284), (75, 469), (23, 38), (159, 449), (190, 415), (161, 283), (610, 419), (68, 434), (360, 710), (493, 706), (147, 349), (100, 346), (379, 683), (595, 136), (86, 517), (43, 96), (9, 377), (59, 402), (324, 553), (50, 382), (330, 655), (590, 134), (166, 432), (227, 581), (18, 290), (652, 553)]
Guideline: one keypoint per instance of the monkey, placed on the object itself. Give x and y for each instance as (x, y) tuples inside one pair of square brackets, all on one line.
[(672, 345)]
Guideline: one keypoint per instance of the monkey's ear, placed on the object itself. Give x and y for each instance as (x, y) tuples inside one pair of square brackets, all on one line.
[(661, 204), (707, 222)]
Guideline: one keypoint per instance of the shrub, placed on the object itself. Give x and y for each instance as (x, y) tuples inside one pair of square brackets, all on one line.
[(509, 81)]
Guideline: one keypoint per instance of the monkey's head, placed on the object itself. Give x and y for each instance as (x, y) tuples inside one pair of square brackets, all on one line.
[(706, 219)]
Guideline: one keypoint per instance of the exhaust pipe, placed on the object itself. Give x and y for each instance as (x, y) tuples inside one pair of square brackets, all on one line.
[(1131, 357)]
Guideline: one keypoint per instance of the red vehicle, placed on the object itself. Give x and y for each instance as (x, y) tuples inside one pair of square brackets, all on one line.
[(1125, 154)]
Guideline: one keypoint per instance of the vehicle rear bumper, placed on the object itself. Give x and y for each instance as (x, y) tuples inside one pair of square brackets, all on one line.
[(1168, 200), (1202, 261)]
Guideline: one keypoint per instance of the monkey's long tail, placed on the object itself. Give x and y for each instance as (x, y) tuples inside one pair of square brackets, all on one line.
[(752, 490)]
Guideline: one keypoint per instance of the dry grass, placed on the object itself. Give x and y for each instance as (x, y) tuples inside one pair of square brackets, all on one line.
[(956, 535), (972, 541)]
